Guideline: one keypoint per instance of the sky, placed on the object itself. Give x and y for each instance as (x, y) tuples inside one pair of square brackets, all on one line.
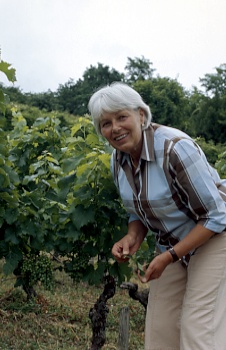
[(49, 42)]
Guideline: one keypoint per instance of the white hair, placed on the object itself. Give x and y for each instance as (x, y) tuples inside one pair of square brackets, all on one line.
[(114, 98)]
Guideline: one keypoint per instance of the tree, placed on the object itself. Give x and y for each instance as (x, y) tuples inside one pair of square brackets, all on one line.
[(74, 97), (138, 69), (15, 94), (209, 116), (166, 98), (215, 84), (44, 101)]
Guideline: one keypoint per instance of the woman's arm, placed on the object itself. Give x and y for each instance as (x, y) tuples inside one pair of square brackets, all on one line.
[(195, 238)]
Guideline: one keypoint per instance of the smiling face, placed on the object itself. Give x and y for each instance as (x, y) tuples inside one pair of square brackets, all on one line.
[(123, 130)]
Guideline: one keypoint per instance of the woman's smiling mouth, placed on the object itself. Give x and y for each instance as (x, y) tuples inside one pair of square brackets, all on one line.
[(118, 138)]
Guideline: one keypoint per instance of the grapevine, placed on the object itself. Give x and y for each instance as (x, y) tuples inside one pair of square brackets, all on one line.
[(37, 269), (78, 261)]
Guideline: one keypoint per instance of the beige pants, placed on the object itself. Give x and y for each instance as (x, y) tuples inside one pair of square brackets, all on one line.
[(187, 308)]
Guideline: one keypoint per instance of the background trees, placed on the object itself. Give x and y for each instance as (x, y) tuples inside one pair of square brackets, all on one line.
[(167, 99), (201, 113), (209, 117), (74, 97)]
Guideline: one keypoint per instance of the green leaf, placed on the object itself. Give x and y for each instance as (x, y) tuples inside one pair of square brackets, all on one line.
[(10, 235), (9, 72), (13, 176), (105, 159), (2, 212), (66, 181), (71, 233), (12, 259), (35, 198), (29, 178), (11, 199), (82, 216), (11, 216), (122, 271), (4, 179), (70, 164), (97, 276), (52, 160), (75, 128), (92, 140), (64, 185)]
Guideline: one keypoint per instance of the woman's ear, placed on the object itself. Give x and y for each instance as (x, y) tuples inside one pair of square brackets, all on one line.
[(142, 116)]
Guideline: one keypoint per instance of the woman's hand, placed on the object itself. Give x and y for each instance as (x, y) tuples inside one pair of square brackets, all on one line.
[(196, 237), (126, 247), (156, 267), (131, 242)]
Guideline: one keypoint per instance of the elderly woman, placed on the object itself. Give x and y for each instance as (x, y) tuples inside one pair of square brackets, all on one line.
[(167, 186)]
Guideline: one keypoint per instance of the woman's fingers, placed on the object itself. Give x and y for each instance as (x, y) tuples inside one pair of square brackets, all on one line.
[(149, 275)]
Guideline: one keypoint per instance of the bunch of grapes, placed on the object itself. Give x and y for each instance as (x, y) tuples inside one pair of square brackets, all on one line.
[(37, 269)]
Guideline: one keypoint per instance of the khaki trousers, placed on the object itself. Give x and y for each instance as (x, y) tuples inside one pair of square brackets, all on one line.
[(187, 308)]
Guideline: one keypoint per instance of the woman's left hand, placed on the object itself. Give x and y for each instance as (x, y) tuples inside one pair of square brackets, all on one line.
[(156, 267)]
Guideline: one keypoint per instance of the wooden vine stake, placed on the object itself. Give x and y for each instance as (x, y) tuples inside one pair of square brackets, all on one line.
[(123, 341)]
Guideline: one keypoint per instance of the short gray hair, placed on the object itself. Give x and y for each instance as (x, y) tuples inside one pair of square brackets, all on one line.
[(114, 98)]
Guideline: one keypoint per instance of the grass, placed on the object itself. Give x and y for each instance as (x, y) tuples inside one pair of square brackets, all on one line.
[(59, 320)]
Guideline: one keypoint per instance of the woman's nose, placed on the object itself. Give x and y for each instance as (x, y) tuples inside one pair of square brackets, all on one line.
[(116, 128)]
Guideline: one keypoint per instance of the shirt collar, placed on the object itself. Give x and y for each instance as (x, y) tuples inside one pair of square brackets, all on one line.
[(147, 152)]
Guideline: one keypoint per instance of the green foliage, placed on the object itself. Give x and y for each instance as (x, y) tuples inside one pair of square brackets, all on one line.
[(77, 262), (74, 97), (36, 269), (167, 100), (221, 164), (10, 73), (211, 150), (94, 209), (138, 69), (208, 109), (199, 113), (57, 195), (215, 84), (146, 252)]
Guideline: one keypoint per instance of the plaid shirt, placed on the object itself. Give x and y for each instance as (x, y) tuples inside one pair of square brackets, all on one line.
[(173, 189)]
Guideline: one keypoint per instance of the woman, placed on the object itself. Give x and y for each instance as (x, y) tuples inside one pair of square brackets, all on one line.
[(167, 186)]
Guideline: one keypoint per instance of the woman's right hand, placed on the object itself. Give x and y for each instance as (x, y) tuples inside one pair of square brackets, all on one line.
[(131, 242)]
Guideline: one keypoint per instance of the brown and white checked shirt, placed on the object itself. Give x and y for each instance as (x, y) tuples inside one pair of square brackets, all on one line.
[(174, 186)]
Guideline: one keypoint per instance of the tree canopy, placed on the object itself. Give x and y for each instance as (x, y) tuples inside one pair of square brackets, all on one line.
[(138, 69)]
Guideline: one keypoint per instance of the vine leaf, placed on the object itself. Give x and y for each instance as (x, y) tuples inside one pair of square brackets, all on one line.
[(79, 219), (9, 72), (11, 261)]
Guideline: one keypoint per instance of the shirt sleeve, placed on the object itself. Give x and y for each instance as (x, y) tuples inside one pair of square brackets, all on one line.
[(195, 182)]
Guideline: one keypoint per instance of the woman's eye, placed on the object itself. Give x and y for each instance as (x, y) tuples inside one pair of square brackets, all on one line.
[(105, 124)]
